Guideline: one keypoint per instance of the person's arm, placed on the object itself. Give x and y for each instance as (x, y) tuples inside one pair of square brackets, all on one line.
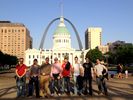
[(61, 69), (17, 73), (81, 70), (51, 73), (39, 71), (24, 72), (92, 72), (71, 70), (105, 68), (95, 71)]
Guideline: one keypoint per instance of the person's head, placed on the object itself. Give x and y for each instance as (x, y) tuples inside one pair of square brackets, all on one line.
[(35, 61), (87, 59), (98, 61), (21, 60), (55, 59), (76, 59), (47, 60), (66, 59)]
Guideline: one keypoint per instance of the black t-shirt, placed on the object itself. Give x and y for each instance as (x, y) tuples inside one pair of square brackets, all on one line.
[(87, 69)]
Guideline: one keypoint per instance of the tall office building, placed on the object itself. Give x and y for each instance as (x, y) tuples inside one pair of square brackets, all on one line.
[(92, 37), (14, 38)]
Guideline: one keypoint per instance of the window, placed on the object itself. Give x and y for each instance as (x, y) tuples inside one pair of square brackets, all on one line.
[(43, 57), (37, 56), (33, 56), (29, 62), (5, 31), (29, 56), (2, 31), (22, 30)]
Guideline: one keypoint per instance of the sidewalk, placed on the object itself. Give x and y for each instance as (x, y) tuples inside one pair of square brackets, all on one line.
[(119, 89)]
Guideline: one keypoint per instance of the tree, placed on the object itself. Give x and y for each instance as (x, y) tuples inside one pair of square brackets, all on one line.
[(7, 59), (125, 54), (94, 54), (122, 54)]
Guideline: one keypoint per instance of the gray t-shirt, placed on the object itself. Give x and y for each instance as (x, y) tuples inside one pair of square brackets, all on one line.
[(34, 70)]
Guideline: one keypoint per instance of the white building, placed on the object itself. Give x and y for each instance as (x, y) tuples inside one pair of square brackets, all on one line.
[(61, 47), (93, 37)]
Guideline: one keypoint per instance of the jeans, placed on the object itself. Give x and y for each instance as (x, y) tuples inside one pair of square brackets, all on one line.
[(55, 83), (75, 84), (80, 83), (33, 81), (88, 81), (66, 84), (21, 86), (101, 84)]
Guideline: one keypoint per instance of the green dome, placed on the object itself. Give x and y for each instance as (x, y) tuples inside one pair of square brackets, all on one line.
[(61, 30)]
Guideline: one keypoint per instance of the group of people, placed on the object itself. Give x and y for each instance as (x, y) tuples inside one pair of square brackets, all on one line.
[(49, 79), (120, 70)]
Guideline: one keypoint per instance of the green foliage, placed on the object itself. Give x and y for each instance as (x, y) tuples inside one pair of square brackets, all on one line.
[(7, 59), (123, 54), (94, 54)]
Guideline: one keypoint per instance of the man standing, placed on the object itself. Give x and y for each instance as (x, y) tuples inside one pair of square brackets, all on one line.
[(45, 70), (77, 75), (21, 78), (56, 74), (88, 74), (66, 66), (33, 79), (99, 68)]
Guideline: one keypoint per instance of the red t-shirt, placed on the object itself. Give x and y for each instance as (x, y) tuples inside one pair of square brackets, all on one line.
[(20, 69), (65, 72)]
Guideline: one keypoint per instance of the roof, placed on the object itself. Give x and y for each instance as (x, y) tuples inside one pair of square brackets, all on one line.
[(61, 29)]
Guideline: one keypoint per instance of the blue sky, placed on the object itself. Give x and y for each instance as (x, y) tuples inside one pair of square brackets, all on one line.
[(115, 17)]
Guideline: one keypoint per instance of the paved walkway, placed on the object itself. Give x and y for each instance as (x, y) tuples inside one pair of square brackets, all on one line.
[(119, 89)]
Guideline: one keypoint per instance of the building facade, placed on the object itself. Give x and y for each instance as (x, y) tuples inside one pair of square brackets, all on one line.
[(14, 38), (103, 48), (92, 37), (61, 48)]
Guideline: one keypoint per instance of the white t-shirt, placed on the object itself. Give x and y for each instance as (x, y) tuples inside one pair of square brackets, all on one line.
[(99, 68), (76, 69)]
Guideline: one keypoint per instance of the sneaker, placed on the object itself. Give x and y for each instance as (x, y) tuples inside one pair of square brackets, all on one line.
[(59, 94), (90, 94), (79, 93), (29, 96), (68, 93), (106, 94), (52, 95), (38, 96), (99, 92), (46, 96)]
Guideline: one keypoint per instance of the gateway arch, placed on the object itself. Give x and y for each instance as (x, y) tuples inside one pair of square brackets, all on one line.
[(47, 28)]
